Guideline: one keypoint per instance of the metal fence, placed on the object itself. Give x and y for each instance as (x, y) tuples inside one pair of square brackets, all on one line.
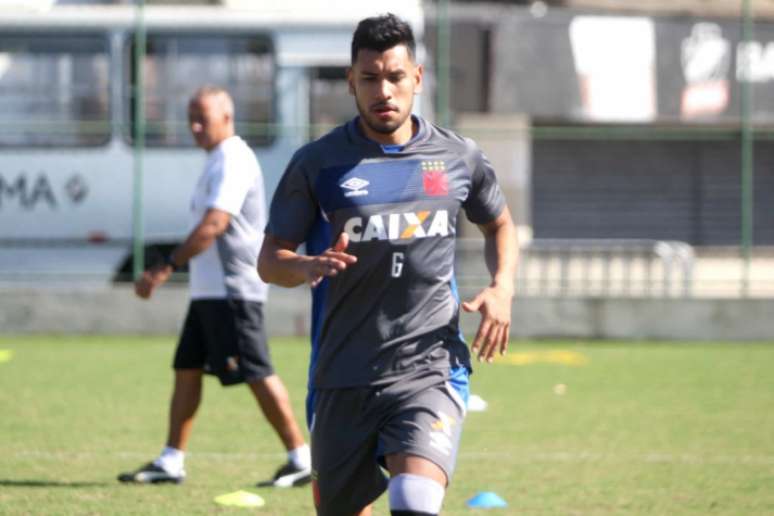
[(624, 268), (636, 150), (592, 268), (626, 124)]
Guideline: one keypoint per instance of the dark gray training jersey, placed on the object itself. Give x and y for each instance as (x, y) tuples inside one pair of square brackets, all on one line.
[(395, 312)]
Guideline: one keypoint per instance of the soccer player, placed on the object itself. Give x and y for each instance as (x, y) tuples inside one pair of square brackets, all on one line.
[(224, 331), (376, 201)]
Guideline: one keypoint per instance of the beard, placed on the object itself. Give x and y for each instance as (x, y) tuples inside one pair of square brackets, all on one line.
[(381, 126)]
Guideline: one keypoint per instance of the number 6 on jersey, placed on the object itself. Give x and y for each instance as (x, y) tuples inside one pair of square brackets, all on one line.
[(397, 265)]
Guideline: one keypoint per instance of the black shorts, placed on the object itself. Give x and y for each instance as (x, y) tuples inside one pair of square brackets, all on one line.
[(226, 338)]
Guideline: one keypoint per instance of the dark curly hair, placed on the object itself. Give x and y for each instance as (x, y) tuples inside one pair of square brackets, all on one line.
[(381, 33)]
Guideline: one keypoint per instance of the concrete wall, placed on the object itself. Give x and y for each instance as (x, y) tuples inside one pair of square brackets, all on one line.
[(117, 310), (645, 319)]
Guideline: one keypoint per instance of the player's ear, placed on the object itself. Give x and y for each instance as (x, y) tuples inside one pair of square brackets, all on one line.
[(419, 74), (351, 80)]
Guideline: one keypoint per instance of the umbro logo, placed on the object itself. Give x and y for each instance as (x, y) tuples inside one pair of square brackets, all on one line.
[(355, 187)]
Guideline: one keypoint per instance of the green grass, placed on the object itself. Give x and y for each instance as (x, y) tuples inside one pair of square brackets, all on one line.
[(642, 428)]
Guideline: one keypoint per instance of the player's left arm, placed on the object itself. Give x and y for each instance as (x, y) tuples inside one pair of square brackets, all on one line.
[(494, 302), (213, 224)]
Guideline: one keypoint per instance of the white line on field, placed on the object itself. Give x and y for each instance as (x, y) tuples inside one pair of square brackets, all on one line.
[(590, 457), (63, 454), (498, 456)]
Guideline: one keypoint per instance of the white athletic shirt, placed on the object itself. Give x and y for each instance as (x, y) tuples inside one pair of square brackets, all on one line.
[(232, 182)]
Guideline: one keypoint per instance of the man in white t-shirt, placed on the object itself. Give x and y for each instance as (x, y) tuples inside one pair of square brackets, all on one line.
[(224, 332)]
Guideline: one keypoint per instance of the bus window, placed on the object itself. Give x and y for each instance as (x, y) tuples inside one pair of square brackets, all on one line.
[(176, 65), (330, 103), (53, 90)]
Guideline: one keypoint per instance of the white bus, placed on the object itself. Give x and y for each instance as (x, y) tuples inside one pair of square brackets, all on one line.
[(67, 106)]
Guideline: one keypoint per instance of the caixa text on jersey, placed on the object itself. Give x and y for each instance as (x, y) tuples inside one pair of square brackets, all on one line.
[(398, 226)]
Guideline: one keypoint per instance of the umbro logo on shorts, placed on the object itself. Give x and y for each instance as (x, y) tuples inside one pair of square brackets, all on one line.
[(441, 433)]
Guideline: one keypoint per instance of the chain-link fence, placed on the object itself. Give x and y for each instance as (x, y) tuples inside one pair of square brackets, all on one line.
[(609, 130), (609, 122)]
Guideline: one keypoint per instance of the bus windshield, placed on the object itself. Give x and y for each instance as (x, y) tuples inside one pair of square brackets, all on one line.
[(174, 66)]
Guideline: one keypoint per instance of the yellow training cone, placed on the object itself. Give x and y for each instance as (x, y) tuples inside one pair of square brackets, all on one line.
[(240, 499), (5, 355)]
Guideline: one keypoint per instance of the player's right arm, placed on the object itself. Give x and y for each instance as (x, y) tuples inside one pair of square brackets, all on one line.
[(293, 211), (279, 263)]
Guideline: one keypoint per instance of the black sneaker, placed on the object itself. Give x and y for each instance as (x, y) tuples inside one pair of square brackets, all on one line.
[(151, 474), (288, 475)]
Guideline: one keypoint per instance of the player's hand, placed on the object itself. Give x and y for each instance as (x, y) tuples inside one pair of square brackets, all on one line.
[(494, 303), (332, 261), (150, 279)]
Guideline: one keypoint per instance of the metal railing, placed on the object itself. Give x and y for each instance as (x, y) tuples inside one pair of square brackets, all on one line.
[(591, 268)]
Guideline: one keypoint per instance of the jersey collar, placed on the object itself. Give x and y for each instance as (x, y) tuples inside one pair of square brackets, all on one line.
[(357, 135)]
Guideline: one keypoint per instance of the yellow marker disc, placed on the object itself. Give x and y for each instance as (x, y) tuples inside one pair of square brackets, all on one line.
[(5, 355), (240, 499)]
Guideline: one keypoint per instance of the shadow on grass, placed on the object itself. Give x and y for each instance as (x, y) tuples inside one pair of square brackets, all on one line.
[(49, 483)]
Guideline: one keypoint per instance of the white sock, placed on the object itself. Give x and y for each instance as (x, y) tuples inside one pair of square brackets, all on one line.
[(301, 457), (415, 493), (171, 459)]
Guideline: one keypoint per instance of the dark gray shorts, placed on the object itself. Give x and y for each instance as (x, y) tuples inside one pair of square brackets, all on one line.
[(226, 338), (354, 429)]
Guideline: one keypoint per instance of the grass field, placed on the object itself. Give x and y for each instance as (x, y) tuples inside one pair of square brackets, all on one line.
[(671, 428)]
